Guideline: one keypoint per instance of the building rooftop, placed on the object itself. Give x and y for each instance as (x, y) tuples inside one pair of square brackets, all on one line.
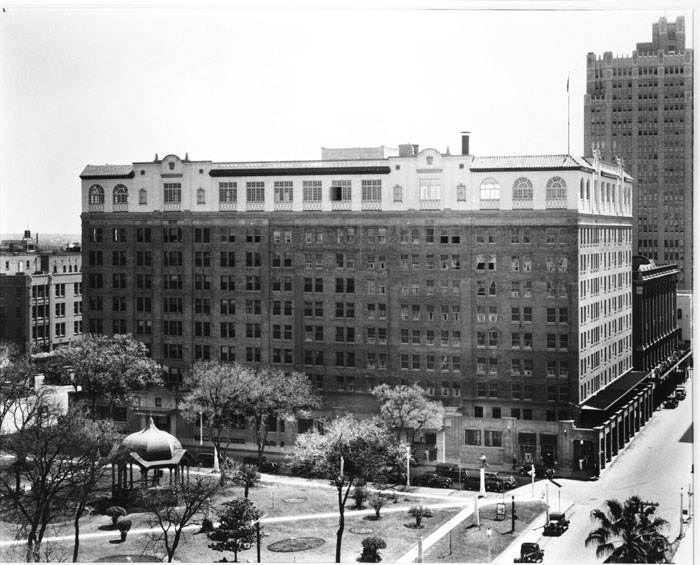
[(107, 171)]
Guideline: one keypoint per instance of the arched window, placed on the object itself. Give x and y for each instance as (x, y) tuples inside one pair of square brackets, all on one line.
[(582, 190), (143, 197), (120, 194), (461, 193), (200, 196), (490, 189), (522, 189), (96, 194), (588, 189), (556, 189), (398, 193)]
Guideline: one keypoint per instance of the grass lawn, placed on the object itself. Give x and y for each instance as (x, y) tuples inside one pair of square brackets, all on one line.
[(470, 544), (274, 500)]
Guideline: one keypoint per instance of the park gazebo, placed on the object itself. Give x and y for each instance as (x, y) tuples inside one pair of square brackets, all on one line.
[(150, 449)]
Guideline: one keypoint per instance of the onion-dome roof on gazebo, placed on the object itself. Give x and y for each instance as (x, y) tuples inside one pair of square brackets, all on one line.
[(152, 444)]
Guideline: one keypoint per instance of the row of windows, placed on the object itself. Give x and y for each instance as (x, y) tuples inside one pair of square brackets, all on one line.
[(430, 189), (341, 236)]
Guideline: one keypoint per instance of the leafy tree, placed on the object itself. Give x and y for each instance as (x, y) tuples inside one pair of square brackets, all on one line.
[(237, 527), (216, 391), (57, 454), (360, 447), (628, 532), (271, 395), (170, 520), (113, 368), (407, 409)]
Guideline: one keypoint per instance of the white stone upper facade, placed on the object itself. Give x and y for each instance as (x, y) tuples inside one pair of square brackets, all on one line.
[(427, 180)]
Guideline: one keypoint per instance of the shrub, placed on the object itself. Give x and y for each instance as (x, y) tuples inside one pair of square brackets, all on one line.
[(359, 495), (419, 512), (115, 512), (207, 525), (377, 501), (370, 549), (123, 526)]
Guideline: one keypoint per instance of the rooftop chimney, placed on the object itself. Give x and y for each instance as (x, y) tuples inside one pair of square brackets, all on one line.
[(465, 143)]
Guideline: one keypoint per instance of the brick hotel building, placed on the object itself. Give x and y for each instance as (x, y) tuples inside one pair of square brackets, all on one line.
[(500, 284)]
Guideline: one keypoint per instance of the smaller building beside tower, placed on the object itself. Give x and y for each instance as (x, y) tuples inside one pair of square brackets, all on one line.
[(41, 304), (655, 332)]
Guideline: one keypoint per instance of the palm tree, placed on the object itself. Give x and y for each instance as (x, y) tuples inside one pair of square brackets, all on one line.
[(628, 533)]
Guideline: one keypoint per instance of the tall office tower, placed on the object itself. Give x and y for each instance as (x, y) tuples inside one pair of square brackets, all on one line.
[(502, 285), (640, 108)]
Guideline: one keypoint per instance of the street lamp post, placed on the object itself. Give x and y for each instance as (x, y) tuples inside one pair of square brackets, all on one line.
[(482, 476), (257, 534), (488, 536), (408, 465), (680, 534)]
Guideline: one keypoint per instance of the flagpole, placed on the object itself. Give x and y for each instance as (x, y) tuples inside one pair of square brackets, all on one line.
[(568, 118)]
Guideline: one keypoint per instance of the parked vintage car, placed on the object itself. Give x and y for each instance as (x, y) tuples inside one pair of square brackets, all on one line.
[(432, 480), (680, 392), (671, 402), (530, 553), (556, 525)]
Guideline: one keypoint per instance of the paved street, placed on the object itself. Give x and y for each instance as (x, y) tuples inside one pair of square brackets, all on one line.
[(655, 466)]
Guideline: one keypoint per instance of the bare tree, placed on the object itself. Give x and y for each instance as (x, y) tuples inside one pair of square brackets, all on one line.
[(41, 485), (94, 444), (171, 511)]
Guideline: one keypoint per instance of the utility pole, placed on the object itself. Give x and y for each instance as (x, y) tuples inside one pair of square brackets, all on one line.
[(512, 514)]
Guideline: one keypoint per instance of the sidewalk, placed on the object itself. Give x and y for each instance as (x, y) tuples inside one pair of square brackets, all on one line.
[(685, 552)]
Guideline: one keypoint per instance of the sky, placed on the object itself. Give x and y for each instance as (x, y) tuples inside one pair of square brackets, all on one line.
[(91, 84)]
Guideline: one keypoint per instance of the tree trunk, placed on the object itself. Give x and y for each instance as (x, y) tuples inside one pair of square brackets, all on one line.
[(76, 542), (341, 525), (245, 492), (261, 436), (235, 556), (173, 547)]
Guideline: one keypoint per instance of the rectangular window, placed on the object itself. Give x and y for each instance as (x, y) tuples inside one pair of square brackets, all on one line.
[(172, 192), (371, 190), (228, 192), (472, 437), (312, 190), (284, 191), (255, 191), (341, 190), (429, 189), (493, 438)]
